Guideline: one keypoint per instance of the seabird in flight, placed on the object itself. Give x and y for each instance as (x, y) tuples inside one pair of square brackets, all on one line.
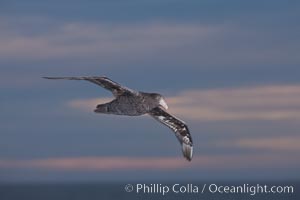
[(135, 103)]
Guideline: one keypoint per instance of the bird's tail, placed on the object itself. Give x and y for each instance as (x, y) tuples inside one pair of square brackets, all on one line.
[(187, 151)]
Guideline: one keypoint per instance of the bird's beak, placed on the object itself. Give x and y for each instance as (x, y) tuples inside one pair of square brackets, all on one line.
[(163, 103)]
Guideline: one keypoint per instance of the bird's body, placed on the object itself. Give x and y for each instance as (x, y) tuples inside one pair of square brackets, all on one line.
[(131, 104), (134, 103)]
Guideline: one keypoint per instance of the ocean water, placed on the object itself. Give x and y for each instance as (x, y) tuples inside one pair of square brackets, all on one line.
[(153, 190)]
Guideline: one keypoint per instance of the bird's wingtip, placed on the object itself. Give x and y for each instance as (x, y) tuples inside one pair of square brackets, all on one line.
[(187, 150), (48, 77)]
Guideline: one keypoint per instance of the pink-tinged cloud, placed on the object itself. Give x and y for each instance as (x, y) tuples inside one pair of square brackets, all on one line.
[(100, 41), (97, 163), (283, 143), (274, 102), (88, 104), (191, 44), (208, 162)]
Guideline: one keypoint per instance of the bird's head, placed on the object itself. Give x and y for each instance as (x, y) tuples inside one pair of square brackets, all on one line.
[(160, 100)]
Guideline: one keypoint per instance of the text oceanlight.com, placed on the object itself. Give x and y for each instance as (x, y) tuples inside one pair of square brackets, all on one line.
[(251, 189)]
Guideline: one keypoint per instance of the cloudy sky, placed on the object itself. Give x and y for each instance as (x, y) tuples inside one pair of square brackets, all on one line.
[(230, 69)]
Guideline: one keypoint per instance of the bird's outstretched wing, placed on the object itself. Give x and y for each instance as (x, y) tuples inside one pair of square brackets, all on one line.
[(179, 127), (104, 82)]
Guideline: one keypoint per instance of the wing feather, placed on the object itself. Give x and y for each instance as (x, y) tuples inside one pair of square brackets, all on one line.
[(179, 127), (104, 82)]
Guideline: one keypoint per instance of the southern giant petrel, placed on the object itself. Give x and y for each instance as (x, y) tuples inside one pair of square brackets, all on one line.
[(135, 103)]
